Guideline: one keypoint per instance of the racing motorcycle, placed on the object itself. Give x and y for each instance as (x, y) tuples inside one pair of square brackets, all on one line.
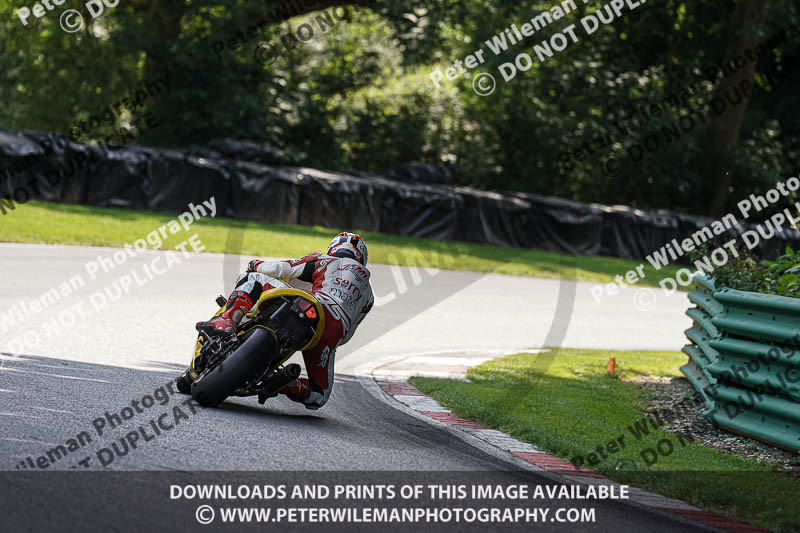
[(250, 363)]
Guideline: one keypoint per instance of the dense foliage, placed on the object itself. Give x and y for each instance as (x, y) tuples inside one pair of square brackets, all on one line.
[(359, 96), (781, 276)]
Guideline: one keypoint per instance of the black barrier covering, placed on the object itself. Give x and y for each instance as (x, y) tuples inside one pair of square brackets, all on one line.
[(246, 151), (529, 221), (265, 194), (188, 501), (420, 211), (568, 226), (119, 179), (54, 167), (68, 179), (19, 158), (633, 234), (14, 144), (490, 217), (336, 200), (440, 173), (176, 180)]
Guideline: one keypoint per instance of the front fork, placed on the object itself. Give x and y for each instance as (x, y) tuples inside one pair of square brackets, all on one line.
[(184, 381)]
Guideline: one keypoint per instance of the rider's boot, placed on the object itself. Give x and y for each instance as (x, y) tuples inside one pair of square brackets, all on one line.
[(297, 391), (238, 305)]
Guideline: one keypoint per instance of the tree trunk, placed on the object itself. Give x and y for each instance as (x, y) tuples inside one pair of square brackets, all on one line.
[(722, 133)]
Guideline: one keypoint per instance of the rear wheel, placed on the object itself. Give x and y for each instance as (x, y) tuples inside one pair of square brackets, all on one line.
[(212, 387)]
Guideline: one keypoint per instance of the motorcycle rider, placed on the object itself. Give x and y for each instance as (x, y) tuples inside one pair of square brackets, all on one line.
[(340, 282)]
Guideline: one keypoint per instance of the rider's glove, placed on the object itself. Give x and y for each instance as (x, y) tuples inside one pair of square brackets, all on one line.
[(253, 265)]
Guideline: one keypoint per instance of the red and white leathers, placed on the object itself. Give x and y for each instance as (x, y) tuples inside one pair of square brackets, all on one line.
[(342, 286)]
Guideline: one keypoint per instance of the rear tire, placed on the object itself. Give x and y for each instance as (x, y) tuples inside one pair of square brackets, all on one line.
[(210, 389)]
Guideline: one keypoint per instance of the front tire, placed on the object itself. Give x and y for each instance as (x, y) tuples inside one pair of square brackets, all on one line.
[(211, 388), (184, 383)]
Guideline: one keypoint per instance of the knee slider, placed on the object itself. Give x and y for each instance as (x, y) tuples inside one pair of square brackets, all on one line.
[(317, 399)]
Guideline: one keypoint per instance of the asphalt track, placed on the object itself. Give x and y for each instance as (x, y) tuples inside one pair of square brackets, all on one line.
[(59, 387)]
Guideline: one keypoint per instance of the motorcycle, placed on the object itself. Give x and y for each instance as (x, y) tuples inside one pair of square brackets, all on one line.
[(283, 321)]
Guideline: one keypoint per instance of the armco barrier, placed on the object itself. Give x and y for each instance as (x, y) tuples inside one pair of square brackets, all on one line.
[(744, 360)]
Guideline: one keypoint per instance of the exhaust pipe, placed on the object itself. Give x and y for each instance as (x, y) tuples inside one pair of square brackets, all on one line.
[(277, 381)]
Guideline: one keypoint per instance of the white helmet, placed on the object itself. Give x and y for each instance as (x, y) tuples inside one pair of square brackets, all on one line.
[(349, 245)]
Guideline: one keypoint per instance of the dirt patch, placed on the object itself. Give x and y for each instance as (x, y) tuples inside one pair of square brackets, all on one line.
[(679, 405)]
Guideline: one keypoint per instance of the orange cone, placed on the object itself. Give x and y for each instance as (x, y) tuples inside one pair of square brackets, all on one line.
[(611, 368)]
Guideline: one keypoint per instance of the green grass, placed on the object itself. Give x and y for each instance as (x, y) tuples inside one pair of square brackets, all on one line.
[(565, 403), (50, 223)]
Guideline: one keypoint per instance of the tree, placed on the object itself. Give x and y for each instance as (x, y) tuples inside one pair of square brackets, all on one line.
[(723, 132)]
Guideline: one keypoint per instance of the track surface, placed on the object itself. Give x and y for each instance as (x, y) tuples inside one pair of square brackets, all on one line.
[(443, 311), (55, 390)]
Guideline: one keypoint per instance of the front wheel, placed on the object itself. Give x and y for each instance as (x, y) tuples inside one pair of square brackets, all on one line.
[(184, 383), (212, 387)]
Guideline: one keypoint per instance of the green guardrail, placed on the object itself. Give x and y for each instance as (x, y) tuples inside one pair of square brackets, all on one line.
[(744, 361)]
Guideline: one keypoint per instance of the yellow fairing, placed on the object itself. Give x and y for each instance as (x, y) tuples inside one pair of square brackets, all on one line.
[(269, 295), (275, 293)]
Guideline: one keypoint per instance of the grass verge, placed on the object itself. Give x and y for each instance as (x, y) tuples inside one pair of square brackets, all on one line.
[(51, 223), (565, 403)]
